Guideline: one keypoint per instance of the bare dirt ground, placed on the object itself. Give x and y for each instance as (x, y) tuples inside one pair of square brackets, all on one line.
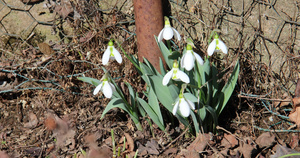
[(45, 111)]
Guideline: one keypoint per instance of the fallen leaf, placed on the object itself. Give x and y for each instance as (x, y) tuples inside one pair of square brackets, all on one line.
[(45, 49), (142, 149), (129, 141), (200, 143), (152, 147), (294, 141), (64, 135), (265, 140), (33, 121), (229, 141), (170, 151), (103, 151), (3, 154), (247, 148), (295, 114), (64, 9), (281, 151), (188, 154)]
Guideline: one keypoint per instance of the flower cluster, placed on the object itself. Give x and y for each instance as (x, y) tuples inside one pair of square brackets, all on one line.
[(105, 86), (187, 62)]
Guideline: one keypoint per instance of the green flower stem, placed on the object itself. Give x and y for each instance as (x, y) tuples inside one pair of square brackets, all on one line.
[(169, 46), (133, 111), (128, 57)]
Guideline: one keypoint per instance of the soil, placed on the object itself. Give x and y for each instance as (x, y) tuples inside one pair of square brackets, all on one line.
[(45, 111)]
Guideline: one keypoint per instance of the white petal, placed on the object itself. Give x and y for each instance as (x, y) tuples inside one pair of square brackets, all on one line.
[(168, 33), (112, 86), (98, 88), (222, 46), (167, 77), (106, 56), (191, 104), (175, 108), (176, 34), (188, 61), (182, 76), (182, 59), (184, 108), (211, 48), (160, 37), (117, 55), (198, 58), (107, 90)]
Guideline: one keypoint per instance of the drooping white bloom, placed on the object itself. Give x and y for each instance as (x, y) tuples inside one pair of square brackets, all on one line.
[(105, 87), (111, 53), (188, 59), (216, 45), (176, 75), (168, 32), (184, 105)]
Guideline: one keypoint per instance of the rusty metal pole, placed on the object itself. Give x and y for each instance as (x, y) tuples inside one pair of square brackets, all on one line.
[(149, 22)]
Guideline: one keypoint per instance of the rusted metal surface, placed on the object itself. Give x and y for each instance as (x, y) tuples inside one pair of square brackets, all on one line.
[(149, 22)]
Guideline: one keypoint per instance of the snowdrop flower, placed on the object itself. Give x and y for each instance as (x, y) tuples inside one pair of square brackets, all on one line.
[(111, 53), (216, 45), (184, 105), (176, 75), (188, 59), (168, 32), (105, 87)]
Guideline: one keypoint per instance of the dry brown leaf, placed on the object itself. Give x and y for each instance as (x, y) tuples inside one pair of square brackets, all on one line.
[(295, 115), (45, 49), (247, 147), (281, 151), (33, 121), (190, 154), (294, 141), (129, 141), (265, 140), (152, 147), (170, 151), (104, 151), (229, 141), (64, 135), (64, 9), (3, 154), (200, 143)]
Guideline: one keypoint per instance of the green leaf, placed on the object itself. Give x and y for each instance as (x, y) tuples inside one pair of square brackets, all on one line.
[(190, 97), (196, 124), (213, 114), (115, 103), (151, 113), (90, 80), (152, 100), (165, 52), (228, 89), (162, 69), (131, 93)]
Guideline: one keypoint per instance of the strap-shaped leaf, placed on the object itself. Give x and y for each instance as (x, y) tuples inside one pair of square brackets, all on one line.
[(228, 89), (90, 80), (151, 113)]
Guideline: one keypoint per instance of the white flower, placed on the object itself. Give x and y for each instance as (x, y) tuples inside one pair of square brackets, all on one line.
[(105, 87), (188, 59), (216, 45), (176, 75), (168, 32), (184, 105), (111, 53)]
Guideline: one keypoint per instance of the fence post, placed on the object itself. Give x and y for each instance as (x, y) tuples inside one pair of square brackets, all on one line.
[(149, 22)]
